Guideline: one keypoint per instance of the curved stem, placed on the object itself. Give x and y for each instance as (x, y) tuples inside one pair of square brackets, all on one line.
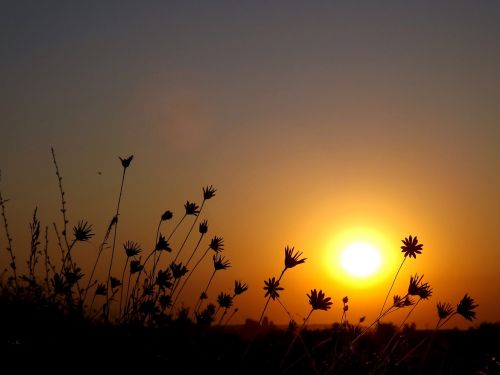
[(188, 277), (195, 249), (390, 289), (400, 326), (114, 244), (121, 289), (200, 302), (189, 232), (295, 339), (101, 248)]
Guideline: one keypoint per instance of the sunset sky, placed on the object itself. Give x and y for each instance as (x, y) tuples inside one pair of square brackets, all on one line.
[(320, 123)]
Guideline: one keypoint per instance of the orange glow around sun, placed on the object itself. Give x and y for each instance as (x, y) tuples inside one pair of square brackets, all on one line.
[(359, 258)]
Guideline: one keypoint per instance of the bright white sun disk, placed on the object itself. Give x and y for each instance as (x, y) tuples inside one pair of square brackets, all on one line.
[(360, 259)]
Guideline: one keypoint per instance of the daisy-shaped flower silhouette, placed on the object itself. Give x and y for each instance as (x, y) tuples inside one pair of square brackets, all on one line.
[(191, 208), (291, 259), (239, 287), (417, 288), (115, 283), (411, 247), (162, 244), (217, 244), (163, 279), (126, 161), (165, 301), (465, 308), (224, 300), (82, 231), (272, 287), (444, 310), (208, 192), (400, 302), (220, 263), (131, 248), (100, 290), (203, 227), (319, 301), (178, 270), (135, 266)]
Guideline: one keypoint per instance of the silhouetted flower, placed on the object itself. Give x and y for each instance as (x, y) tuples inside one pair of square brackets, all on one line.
[(126, 161), (206, 317), (345, 308), (165, 301), (167, 215), (411, 247), (82, 231), (100, 290), (239, 287), (72, 277), (465, 308), (217, 244), (178, 270), (291, 260), (191, 208), (318, 301), (208, 192), (115, 283), (203, 296), (444, 310), (272, 287), (345, 300), (162, 244), (147, 288), (60, 287), (203, 227), (417, 288), (163, 279), (220, 263), (132, 248), (135, 266), (224, 300), (401, 302)]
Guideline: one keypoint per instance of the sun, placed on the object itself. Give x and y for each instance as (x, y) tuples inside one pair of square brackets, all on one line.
[(361, 259)]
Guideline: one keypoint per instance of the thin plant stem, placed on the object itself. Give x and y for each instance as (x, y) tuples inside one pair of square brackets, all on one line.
[(114, 244), (63, 199), (230, 317), (195, 249), (156, 260), (121, 289), (200, 301), (390, 289), (295, 339), (188, 277), (9, 239), (189, 232), (101, 248), (46, 257), (400, 326)]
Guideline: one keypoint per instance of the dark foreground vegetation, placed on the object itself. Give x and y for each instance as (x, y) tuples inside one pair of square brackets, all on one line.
[(40, 336), (56, 317)]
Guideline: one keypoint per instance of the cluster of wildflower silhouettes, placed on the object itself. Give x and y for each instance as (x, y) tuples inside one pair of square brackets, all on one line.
[(147, 290)]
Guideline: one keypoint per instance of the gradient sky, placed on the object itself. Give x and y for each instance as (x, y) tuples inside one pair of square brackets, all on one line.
[(314, 120)]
